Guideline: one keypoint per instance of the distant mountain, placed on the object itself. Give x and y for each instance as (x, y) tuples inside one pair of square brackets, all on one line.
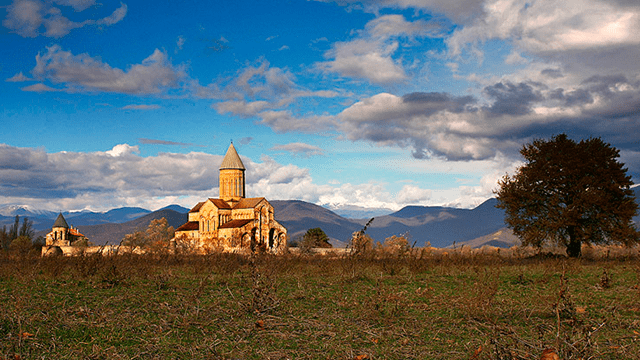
[(413, 211), (25, 210), (299, 216), (113, 233), (358, 212), (118, 216), (178, 208), (440, 226), (43, 220)]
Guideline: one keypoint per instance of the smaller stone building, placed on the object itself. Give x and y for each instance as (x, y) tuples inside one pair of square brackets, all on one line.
[(62, 234)]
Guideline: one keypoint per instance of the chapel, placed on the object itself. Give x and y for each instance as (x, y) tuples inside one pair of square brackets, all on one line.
[(233, 222), (62, 234)]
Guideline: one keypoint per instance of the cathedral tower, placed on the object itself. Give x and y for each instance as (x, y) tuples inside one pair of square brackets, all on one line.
[(232, 185)]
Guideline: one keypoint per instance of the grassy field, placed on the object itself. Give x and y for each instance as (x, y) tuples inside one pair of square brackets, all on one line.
[(433, 306)]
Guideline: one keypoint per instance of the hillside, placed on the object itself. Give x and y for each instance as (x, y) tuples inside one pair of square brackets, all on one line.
[(299, 216), (502, 238), (439, 226)]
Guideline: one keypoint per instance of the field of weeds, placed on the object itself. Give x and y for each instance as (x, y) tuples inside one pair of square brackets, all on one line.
[(444, 305)]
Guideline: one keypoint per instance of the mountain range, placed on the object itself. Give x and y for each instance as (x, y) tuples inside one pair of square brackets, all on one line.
[(438, 226)]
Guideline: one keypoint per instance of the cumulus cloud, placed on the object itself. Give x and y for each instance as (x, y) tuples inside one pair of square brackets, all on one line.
[(302, 149), (411, 194), (599, 35), (265, 92), (370, 56), (106, 179), (121, 177), (459, 128), (83, 73), (27, 17)]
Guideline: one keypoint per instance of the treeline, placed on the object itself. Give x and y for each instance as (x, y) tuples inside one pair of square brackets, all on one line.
[(19, 238)]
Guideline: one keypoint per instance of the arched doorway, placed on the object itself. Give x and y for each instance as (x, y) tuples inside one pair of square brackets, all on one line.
[(272, 239)]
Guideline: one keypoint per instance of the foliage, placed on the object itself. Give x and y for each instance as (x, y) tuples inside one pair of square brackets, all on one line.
[(155, 238), (397, 245), (315, 238), (18, 239), (39, 242), (83, 242), (13, 230), (21, 246), (187, 245), (135, 239), (5, 240), (360, 242), (27, 228), (569, 193), (159, 231)]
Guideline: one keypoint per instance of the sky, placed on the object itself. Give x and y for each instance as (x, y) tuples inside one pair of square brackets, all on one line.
[(345, 104)]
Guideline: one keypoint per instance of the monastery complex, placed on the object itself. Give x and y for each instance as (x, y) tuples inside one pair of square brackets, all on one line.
[(233, 222)]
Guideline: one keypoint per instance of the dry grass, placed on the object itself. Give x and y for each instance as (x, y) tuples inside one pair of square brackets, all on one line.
[(426, 305)]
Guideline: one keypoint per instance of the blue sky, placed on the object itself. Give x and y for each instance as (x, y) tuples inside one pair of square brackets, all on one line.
[(375, 104)]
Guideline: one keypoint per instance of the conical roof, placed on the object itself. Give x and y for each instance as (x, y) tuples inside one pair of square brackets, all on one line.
[(232, 160), (61, 222)]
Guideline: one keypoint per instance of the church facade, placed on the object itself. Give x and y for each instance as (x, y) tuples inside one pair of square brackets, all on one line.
[(233, 222)]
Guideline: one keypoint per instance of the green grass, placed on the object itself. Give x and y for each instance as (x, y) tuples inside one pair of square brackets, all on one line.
[(229, 307)]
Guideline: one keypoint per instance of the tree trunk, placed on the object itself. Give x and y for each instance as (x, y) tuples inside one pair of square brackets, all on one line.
[(574, 248)]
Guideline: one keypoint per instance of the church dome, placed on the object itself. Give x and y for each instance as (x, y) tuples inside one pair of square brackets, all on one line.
[(61, 222), (232, 160)]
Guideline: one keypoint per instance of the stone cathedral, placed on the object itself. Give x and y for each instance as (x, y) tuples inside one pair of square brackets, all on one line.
[(233, 222)]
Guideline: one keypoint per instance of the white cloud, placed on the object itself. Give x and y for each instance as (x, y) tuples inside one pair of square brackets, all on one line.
[(121, 177), (265, 92), (26, 17), (285, 121), (365, 60), (370, 56), (242, 107), (19, 77), (305, 150), (78, 5), (180, 42), (411, 194), (115, 17), (83, 73), (123, 150), (39, 87), (554, 29), (460, 11)]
